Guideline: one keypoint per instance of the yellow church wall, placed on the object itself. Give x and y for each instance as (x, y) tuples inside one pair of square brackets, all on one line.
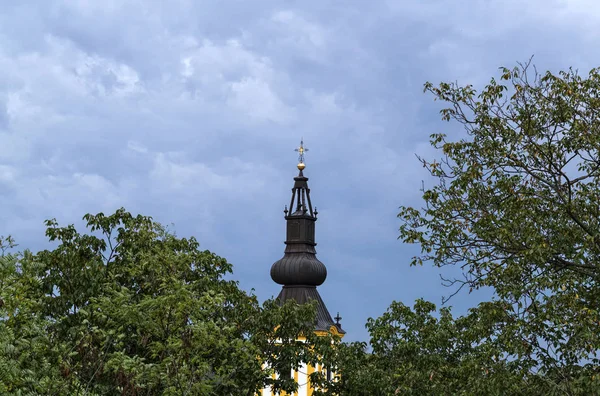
[(302, 375)]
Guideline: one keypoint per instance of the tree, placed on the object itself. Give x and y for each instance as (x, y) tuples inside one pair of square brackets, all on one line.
[(422, 351), (130, 308), (22, 335), (516, 205)]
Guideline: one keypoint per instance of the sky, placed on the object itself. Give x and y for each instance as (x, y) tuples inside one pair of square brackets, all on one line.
[(189, 112)]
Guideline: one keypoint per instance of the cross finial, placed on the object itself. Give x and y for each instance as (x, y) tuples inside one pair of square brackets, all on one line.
[(301, 150), (337, 319)]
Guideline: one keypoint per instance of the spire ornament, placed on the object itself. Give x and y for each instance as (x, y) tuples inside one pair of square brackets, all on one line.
[(301, 150), (338, 318)]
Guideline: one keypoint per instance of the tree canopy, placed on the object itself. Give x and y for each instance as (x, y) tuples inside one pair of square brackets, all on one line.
[(130, 308), (516, 205)]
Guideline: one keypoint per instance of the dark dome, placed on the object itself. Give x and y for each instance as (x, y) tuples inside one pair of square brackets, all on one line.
[(299, 269)]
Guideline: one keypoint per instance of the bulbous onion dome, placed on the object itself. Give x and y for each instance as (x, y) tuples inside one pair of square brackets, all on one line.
[(299, 269)]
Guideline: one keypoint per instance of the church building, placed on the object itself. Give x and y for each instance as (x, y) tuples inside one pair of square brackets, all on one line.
[(300, 272)]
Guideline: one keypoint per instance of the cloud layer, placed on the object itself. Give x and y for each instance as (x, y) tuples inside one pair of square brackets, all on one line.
[(189, 111)]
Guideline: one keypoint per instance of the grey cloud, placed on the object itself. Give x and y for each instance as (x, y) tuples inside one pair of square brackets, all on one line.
[(189, 111), (4, 118)]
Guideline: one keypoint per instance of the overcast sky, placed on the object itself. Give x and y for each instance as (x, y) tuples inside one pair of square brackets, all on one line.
[(189, 111)]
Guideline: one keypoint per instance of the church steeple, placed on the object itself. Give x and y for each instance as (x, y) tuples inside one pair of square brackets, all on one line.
[(299, 270)]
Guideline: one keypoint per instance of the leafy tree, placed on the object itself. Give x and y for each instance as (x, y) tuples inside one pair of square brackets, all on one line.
[(516, 206), (129, 308), (422, 351), (22, 336)]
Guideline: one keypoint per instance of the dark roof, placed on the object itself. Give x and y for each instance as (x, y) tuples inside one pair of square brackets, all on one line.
[(303, 294)]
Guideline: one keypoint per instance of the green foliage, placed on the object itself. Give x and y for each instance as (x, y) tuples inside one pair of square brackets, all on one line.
[(423, 352), (517, 206), (129, 308)]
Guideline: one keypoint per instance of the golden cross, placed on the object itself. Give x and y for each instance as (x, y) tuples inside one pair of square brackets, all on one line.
[(301, 150)]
